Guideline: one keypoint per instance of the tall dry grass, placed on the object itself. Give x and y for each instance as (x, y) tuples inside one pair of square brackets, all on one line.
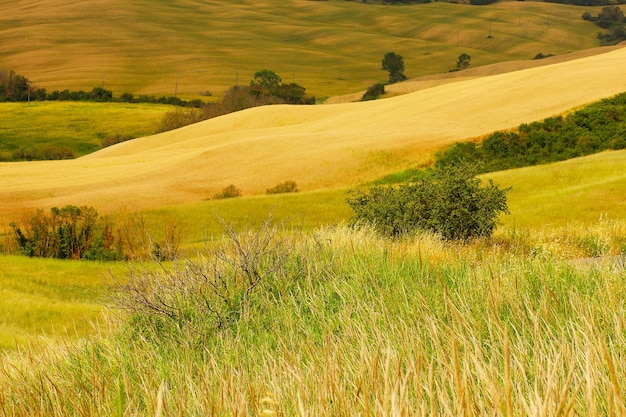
[(350, 324)]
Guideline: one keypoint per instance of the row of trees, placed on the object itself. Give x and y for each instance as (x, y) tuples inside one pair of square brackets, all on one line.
[(17, 88), (266, 84)]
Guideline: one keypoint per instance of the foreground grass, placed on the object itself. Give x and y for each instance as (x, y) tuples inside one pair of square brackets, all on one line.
[(81, 127), (343, 323)]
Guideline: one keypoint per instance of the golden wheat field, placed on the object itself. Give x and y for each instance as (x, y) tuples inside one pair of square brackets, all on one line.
[(319, 147)]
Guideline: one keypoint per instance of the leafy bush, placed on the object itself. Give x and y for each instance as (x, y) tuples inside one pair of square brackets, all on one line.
[(450, 202), (374, 92), (67, 233), (283, 187), (230, 191)]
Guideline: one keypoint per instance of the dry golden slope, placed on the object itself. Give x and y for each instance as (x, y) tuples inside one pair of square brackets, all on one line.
[(317, 146)]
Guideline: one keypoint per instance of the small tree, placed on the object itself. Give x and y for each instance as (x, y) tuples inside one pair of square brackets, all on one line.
[(464, 61), (394, 63), (450, 201), (265, 82)]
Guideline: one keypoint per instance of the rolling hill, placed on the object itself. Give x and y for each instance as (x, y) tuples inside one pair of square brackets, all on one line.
[(331, 47), (319, 147)]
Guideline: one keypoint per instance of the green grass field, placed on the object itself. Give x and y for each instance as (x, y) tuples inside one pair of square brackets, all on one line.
[(310, 317), (330, 47), (49, 298), (81, 127), (551, 200), (343, 322)]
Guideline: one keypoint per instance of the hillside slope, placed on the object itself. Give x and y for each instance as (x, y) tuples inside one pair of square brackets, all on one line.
[(316, 146), (330, 47)]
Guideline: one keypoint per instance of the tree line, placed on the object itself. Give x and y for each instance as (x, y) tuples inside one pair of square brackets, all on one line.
[(17, 88)]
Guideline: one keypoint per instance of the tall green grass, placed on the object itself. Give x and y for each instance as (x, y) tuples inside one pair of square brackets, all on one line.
[(350, 324)]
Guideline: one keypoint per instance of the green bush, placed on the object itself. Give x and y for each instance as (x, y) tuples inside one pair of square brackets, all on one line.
[(374, 92), (230, 191), (283, 187), (450, 201), (67, 233)]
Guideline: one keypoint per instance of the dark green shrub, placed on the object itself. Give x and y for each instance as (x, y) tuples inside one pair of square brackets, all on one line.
[(450, 202), (374, 92), (230, 191), (283, 187)]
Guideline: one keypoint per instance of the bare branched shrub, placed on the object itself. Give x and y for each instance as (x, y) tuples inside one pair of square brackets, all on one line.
[(210, 293)]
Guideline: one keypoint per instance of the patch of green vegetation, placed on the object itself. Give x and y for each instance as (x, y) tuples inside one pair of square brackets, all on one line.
[(351, 318), (81, 128), (45, 297), (595, 128)]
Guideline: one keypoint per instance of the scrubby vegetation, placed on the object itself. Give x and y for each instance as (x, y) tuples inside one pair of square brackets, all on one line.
[(611, 18), (595, 128), (283, 187), (449, 202), (74, 233), (69, 232), (374, 92), (230, 191), (265, 88), (342, 322)]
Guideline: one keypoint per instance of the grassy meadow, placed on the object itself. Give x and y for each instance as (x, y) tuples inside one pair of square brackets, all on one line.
[(274, 306), (344, 323), (331, 47), (49, 298), (81, 127)]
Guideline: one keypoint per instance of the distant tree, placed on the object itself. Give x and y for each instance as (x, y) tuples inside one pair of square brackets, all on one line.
[(13, 87), (100, 94), (265, 82), (464, 61), (611, 18), (611, 14), (394, 63)]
